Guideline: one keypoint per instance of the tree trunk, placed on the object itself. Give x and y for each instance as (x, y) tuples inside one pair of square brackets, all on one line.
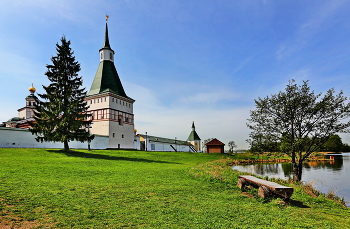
[(66, 146), (297, 170)]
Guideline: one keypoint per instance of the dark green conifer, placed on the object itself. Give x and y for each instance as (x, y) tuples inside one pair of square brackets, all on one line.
[(61, 116)]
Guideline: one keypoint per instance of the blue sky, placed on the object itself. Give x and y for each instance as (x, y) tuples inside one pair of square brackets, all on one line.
[(182, 61)]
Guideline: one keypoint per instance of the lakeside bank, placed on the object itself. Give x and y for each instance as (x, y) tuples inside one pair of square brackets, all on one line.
[(328, 175)]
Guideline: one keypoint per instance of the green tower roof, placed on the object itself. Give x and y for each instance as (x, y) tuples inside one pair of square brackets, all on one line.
[(107, 80)]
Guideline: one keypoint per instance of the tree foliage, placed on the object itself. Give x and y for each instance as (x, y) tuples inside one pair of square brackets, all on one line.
[(232, 145), (297, 122), (61, 117), (333, 144)]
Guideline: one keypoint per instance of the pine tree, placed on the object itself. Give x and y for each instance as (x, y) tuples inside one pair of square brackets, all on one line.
[(61, 116)]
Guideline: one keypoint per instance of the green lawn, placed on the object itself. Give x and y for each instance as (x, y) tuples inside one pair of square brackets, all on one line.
[(134, 189)]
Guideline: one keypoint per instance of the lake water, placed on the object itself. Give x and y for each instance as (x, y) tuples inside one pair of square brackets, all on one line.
[(326, 175)]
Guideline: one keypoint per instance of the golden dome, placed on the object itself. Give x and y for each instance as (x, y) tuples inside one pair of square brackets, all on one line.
[(32, 89)]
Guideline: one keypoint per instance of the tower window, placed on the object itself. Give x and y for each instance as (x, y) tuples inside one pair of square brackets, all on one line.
[(122, 135), (111, 56), (113, 135), (112, 99)]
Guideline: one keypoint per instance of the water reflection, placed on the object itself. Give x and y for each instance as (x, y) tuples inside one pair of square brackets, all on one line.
[(327, 175)]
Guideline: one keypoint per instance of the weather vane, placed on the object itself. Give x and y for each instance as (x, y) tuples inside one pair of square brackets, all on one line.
[(107, 16)]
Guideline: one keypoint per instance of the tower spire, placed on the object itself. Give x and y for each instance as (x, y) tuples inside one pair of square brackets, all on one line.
[(106, 43), (107, 78)]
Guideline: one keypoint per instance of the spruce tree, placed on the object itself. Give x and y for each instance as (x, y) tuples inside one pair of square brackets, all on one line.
[(61, 115)]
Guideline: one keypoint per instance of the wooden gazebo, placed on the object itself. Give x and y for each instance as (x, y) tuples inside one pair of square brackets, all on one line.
[(215, 146)]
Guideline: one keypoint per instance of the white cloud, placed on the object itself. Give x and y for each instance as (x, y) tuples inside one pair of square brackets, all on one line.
[(175, 120), (208, 98)]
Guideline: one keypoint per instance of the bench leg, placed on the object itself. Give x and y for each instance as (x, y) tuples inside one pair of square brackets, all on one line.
[(264, 192), (241, 183)]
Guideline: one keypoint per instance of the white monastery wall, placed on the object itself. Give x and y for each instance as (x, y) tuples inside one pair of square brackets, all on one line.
[(160, 146), (100, 128), (121, 136), (22, 138)]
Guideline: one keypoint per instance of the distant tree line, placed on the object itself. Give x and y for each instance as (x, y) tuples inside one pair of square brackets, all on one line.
[(333, 144)]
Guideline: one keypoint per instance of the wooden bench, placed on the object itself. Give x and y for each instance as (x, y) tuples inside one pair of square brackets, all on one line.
[(266, 188)]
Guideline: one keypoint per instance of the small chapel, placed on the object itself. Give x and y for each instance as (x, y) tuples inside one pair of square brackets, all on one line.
[(194, 139)]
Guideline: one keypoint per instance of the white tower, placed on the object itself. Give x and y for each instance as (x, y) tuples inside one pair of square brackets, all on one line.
[(111, 109)]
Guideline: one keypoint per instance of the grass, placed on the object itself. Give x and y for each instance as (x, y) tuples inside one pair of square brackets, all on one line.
[(134, 189)]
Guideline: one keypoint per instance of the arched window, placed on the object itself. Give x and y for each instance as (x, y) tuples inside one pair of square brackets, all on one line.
[(111, 56)]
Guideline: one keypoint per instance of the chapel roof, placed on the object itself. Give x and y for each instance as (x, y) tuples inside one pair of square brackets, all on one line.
[(15, 119), (193, 135), (214, 142)]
